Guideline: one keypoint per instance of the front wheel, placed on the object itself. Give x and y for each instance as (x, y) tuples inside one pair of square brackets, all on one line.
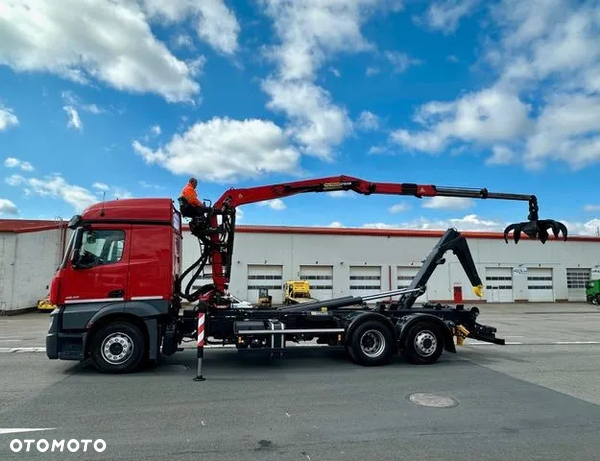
[(118, 348), (372, 344)]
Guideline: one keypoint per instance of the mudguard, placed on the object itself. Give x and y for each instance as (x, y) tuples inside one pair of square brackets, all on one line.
[(358, 318), (146, 311)]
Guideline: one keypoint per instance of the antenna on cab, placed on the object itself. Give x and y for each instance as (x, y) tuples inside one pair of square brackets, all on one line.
[(103, 199)]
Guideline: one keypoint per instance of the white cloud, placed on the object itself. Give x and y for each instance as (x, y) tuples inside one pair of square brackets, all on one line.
[(470, 222), (309, 33), (55, 186), (473, 222), (275, 204), (12, 162), (312, 30), (592, 208), (401, 61), (114, 191), (215, 23), (316, 123), (74, 120), (567, 129), (501, 155), (367, 121), (183, 41), (156, 130), (372, 71), (335, 224), (544, 104), (342, 194), (224, 150), (120, 193), (100, 186), (73, 100), (488, 116), (7, 116), (147, 185), (590, 227), (399, 208), (445, 15), (447, 203), (102, 40), (8, 207), (15, 180)]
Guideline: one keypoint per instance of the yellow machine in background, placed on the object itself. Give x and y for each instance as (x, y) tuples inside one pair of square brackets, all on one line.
[(44, 304), (297, 291), (264, 298)]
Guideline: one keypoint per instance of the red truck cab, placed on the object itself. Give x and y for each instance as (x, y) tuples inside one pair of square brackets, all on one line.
[(115, 285)]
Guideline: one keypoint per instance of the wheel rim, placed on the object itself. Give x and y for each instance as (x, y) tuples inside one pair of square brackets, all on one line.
[(117, 348), (425, 343), (372, 343)]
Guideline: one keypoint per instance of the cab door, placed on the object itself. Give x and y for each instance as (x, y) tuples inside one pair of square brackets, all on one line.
[(98, 270)]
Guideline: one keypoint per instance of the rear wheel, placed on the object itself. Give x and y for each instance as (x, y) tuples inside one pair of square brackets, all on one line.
[(372, 344), (118, 348), (424, 343)]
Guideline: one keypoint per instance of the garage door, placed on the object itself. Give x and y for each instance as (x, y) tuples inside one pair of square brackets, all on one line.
[(365, 280), (577, 278), (405, 275), (539, 285), (499, 285), (265, 276), (320, 279)]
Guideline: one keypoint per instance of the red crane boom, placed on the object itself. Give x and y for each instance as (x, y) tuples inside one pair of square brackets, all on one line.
[(216, 237)]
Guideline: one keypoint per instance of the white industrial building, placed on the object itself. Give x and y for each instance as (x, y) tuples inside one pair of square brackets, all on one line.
[(336, 261), (340, 262)]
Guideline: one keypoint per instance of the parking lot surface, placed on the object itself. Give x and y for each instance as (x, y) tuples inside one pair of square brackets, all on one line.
[(537, 398)]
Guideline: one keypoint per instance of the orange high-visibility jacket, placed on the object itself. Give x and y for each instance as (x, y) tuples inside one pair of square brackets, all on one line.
[(189, 193)]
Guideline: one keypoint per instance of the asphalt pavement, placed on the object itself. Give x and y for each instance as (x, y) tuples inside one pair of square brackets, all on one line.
[(537, 398)]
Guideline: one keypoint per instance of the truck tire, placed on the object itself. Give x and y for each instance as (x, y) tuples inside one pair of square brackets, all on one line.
[(118, 348), (423, 343), (372, 344)]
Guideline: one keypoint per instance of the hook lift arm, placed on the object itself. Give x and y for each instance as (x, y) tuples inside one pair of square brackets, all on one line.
[(216, 238)]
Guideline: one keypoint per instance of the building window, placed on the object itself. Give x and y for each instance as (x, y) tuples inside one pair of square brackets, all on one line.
[(270, 287), (264, 277), (578, 278)]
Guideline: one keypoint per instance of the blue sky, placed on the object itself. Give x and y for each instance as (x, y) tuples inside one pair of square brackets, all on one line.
[(129, 98)]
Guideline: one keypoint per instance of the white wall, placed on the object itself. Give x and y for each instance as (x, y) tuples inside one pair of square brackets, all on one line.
[(7, 260), (28, 263), (343, 251)]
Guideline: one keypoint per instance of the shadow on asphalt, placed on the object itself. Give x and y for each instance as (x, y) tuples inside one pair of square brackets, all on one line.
[(223, 362)]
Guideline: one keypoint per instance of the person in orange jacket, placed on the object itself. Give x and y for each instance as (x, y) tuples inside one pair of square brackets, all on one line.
[(193, 206)]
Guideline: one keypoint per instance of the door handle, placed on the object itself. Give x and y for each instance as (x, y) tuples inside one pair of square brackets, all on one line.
[(116, 294)]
